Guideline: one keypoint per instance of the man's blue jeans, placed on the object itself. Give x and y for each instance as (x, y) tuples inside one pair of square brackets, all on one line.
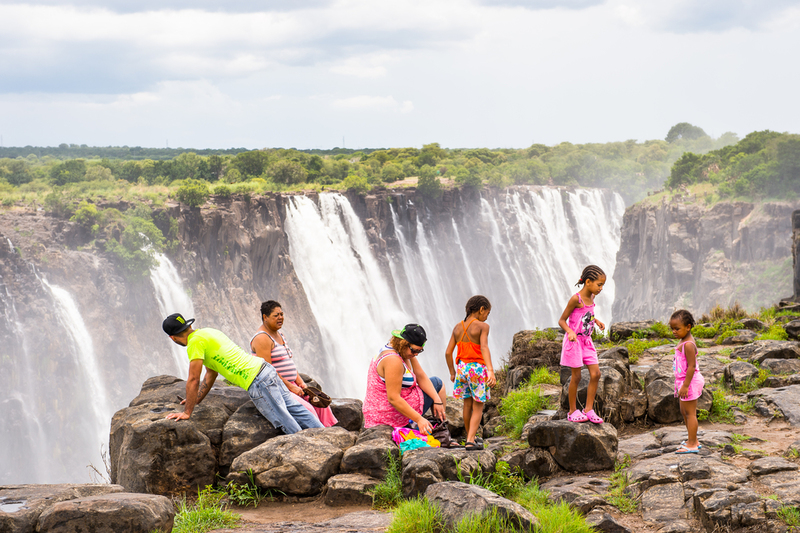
[(278, 405)]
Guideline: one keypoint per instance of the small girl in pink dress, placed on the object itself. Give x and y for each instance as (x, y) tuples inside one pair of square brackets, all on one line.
[(578, 321), (688, 380)]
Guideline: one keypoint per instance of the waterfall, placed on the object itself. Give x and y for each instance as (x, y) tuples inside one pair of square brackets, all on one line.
[(523, 249), (22, 437), (172, 298), (349, 295), (92, 390)]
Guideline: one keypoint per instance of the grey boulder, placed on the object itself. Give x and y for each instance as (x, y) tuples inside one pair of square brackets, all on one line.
[(109, 513), (576, 447), (457, 500)]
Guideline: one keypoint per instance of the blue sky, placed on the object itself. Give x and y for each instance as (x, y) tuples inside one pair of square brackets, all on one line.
[(495, 73)]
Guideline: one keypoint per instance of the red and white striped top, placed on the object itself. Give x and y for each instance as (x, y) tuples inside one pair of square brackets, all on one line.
[(281, 357)]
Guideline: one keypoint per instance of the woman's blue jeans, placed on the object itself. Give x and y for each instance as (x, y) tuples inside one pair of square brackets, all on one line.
[(278, 405)]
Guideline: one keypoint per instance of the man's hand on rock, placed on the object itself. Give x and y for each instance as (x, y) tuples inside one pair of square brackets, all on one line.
[(178, 416)]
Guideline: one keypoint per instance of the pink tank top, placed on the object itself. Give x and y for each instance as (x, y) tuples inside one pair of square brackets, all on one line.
[(581, 319), (377, 409), (679, 363)]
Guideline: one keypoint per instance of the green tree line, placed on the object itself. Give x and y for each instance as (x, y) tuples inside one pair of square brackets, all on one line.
[(763, 164), (631, 168)]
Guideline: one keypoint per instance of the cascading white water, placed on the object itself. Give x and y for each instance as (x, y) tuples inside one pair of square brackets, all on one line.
[(524, 250), (22, 436), (351, 299), (172, 298), (92, 389)]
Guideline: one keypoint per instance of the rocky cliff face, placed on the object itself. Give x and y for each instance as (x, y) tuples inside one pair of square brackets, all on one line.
[(680, 255)]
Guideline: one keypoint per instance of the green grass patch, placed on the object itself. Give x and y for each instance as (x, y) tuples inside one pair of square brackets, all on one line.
[(543, 335), (752, 384), (662, 330), (702, 332), (504, 481), (637, 346), (721, 407), (208, 512), (389, 493), (790, 516), (247, 494), (617, 494), (774, 333), (519, 405), (553, 518), (417, 516), (491, 522), (544, 376)]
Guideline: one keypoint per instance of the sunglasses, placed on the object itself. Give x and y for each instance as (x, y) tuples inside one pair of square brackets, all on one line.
[(416, 352)]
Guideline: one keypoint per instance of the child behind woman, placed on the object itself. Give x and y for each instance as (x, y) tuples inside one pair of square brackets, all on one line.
[(473, 374), (578, 320), (688, 380)]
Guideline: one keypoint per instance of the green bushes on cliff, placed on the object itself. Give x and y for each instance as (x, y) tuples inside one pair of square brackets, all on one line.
[(193, 192), (763, 164)]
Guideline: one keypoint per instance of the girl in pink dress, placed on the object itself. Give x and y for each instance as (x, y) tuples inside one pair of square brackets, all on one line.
[(578, 321), (688, 380)]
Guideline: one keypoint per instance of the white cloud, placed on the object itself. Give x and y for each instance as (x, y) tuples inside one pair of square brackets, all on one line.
[(374, 102), (370, 66)]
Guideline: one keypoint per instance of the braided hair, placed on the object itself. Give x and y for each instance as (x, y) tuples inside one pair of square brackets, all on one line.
[(591, 273), (684, 316), (475, 303), (269, 306)]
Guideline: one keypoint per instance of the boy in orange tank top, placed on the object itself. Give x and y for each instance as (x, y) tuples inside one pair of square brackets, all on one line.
[(473, 373)]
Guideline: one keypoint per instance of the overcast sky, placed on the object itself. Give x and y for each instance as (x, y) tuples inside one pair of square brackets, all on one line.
[(319, 74)]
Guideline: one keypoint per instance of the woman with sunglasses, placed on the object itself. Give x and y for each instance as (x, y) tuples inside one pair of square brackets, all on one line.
[(398, 390)]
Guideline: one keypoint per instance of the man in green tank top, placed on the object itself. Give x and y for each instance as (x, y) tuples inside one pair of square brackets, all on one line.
[(210, 348)]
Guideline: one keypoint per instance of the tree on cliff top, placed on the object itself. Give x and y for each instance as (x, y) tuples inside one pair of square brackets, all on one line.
[(193, 193), (684, 130)]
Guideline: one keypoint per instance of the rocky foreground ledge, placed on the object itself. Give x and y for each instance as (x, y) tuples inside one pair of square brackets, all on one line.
[(724, 488)]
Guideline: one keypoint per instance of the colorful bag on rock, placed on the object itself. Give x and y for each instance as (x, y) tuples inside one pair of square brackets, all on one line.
[(403, 434)]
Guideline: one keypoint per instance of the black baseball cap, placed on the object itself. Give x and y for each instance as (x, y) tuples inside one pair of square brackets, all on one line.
[(175, 323), (413, 333)]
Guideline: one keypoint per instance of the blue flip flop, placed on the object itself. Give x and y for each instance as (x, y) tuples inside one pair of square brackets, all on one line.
[(699, 446), (685, 450)]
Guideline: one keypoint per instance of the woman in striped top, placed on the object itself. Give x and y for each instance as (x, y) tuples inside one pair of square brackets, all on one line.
[(270, 344)]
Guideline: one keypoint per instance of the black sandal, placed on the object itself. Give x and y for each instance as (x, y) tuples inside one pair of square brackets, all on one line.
[(471, 446)]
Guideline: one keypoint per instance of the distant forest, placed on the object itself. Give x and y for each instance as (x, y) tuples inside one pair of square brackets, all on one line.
[(765, 163)]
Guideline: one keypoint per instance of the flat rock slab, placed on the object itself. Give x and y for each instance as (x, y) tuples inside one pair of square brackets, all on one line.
[(360, 522), (785, 399), (583, 493), (21, 505), (640, 446), (109, 513), (786, 485), (457, 500), (349, 489), (604, 522), (759, 351), (770, 465), (664, 503)]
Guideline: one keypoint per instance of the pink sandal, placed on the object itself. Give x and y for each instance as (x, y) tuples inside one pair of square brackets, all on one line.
[(577, 416), (592, 417)]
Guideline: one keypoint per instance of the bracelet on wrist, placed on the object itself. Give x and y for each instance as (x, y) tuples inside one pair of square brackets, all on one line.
[(438, 403)]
